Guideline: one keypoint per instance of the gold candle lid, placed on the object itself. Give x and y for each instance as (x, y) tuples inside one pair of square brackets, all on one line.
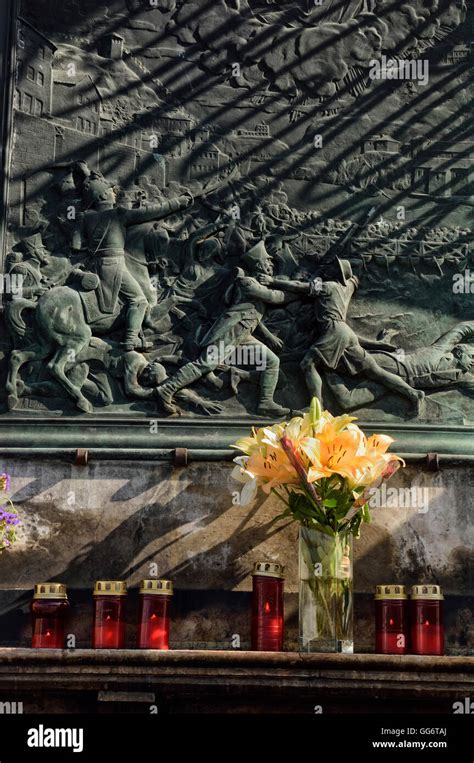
[(269, 569), (154, 586), (391, 591), (50, 591), (110, 588), (426, 591)]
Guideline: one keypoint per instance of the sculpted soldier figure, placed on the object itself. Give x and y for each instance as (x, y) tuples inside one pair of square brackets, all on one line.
[(105, 230), (35, 255), (28, 282), (337, 347), (140, 379), (448, 362), (445, 363), (235, 330), (138, 376), (198, 254)]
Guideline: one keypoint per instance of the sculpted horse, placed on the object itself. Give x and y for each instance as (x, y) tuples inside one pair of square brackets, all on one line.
[(62, 328), (63, 322)]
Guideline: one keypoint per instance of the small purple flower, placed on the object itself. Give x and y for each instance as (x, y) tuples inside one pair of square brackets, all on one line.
[(3, 514)]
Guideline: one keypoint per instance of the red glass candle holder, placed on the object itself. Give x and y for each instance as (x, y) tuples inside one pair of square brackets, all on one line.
[(153, 614), (426, 615), (109, 611), (267, 607), (391, 626), (49, 612)]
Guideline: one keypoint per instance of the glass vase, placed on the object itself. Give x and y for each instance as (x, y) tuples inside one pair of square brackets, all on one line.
[(325, 592)]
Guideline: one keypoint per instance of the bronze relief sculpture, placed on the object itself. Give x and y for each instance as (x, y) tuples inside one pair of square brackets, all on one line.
[(222, 211)]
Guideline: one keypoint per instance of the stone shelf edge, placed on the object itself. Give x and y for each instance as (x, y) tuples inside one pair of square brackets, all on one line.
[(137, 657), (288, 674)]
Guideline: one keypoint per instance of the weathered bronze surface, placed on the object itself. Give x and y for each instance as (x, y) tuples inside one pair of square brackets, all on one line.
[(220, 209)]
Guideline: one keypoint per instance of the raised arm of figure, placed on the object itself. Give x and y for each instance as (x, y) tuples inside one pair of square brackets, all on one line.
[(459, 333), (154, 211), (296, 287), (254, 290)]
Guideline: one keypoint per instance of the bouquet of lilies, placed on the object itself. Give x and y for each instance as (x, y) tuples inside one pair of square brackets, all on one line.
[(8, 516), (321, 466)]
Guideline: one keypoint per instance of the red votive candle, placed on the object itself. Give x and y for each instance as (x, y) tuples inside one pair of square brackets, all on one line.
[(153, 614), (391, 627), (49, 611), (109, 610), (267, 607), (426, 615)]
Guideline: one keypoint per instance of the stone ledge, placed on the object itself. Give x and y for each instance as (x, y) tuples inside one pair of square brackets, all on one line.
[(217, 681), (205, 657)]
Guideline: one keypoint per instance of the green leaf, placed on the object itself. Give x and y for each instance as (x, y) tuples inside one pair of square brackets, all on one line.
[(331, 503), (287, 513)]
